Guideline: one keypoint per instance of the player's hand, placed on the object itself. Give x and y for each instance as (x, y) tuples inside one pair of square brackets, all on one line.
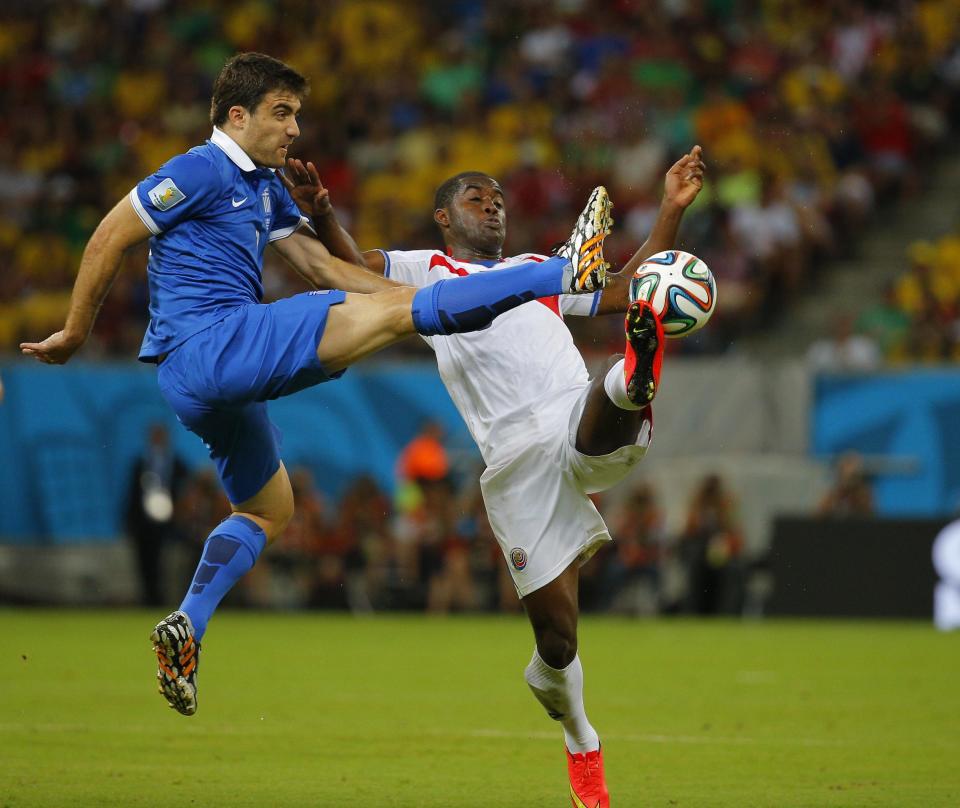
[(54, 350), (685, 178), (303, 183)]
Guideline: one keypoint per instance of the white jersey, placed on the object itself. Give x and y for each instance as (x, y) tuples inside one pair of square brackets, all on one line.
[(507, 377)]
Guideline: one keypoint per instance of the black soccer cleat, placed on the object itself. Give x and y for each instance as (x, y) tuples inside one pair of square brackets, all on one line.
[(178, 657), (643, 356)]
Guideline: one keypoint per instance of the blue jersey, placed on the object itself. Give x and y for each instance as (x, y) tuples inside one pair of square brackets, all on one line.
[(212, 213)]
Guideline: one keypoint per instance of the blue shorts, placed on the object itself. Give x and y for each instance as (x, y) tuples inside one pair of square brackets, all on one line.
[(218, 382)]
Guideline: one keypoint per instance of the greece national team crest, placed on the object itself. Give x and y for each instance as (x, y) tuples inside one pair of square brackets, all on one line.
[(518, 557), (265, 198)]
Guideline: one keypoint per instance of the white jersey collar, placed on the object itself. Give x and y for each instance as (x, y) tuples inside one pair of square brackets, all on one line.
[(233, 150)]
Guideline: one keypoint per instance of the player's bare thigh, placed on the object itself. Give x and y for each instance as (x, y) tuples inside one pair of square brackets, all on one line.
[(271, 507), (604, 427), (364, 324)]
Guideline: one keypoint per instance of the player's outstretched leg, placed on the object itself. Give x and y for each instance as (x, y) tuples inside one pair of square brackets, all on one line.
[(470, 303), (365, 324), (178, 658)]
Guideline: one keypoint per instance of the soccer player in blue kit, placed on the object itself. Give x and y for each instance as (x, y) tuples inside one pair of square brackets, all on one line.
[(221, 353)]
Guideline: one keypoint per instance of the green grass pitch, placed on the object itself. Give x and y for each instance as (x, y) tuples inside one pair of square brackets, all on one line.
[(316, 710)]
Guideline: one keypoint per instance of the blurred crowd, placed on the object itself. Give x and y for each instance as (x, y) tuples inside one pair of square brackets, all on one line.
[(916, 319), (810, 114), (919, 318), (429, 546)]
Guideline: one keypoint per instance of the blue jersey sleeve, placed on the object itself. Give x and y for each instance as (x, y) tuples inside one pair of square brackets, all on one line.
[(288, 217), (181, 189)]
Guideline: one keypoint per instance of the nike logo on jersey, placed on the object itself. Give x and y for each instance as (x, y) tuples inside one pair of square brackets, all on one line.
[(237, 202)]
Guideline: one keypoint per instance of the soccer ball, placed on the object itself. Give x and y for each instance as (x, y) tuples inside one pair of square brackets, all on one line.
[(681, 289)]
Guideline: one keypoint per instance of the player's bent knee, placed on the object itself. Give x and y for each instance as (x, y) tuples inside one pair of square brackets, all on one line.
[(557, 647), (280, 515), (280, 521), (611, 361), (272, 521), (395, 309), (272, 507)]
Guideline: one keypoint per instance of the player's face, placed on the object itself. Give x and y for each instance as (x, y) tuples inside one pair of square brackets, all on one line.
[(271, 128), (478, 216)]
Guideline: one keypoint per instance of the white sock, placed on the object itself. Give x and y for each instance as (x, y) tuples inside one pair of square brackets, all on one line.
[(616, 387), (561, 693)]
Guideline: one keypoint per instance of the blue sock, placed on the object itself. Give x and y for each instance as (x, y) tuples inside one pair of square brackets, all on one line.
[(455, 305), (229, 553)]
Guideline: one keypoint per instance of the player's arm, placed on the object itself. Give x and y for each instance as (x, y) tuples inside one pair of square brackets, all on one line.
[(681, 186), (120, 230), (313, 261)]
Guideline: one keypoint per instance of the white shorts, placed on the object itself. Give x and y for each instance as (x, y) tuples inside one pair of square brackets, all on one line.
[(537, 501)]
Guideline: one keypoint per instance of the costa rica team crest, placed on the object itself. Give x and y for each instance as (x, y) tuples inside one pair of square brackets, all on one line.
[(518, 557)]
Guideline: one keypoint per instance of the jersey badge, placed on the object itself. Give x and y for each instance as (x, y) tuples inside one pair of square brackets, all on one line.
[(165, 195), (265, 198), (518, 557)]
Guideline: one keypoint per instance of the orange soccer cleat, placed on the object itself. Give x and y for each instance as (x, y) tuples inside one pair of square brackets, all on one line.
[(588, 789)]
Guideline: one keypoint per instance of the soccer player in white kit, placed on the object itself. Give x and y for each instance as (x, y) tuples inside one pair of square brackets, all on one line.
[(549, 435)]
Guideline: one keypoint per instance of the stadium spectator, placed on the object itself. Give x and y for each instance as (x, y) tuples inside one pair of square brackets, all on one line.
[(157, 478), (851, 493), (928, 295), (424, 458), (710, 548), (200, 504), (299, 572), (446, 553), (845, 351), (364, 542), (886, 324), (632, 571)]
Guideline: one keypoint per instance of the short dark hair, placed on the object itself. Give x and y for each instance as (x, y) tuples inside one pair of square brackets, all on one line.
[(451, 187), (246, 78)]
